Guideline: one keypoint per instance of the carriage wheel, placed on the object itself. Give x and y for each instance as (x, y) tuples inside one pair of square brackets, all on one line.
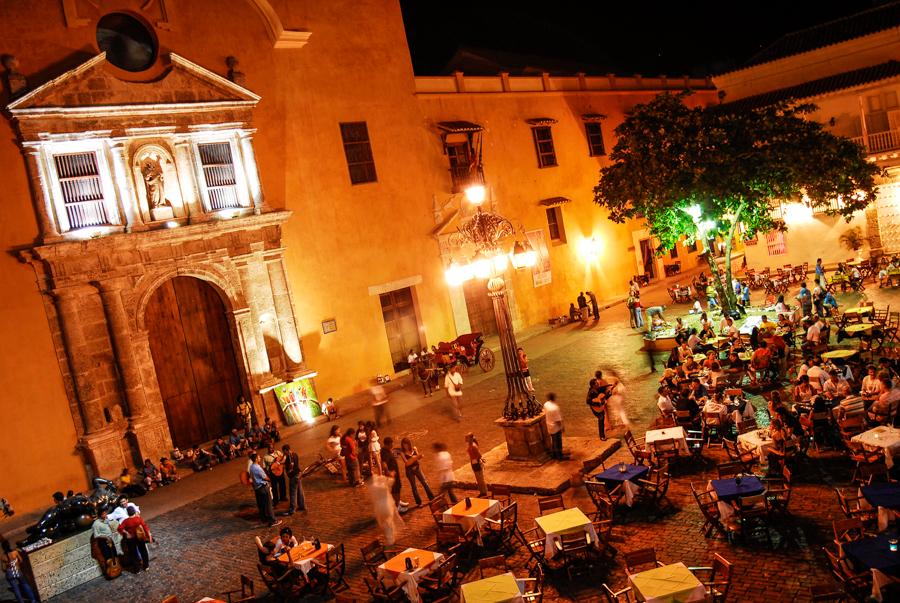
[(486, 359), (463, 366)]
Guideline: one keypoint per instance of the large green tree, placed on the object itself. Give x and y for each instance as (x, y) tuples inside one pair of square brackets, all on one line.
[(700, 172)]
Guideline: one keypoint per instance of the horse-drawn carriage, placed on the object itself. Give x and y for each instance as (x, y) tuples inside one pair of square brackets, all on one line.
[(464, 351)]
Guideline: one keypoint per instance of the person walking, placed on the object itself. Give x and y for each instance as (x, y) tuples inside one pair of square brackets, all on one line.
[(582, 306), (477, 462), (349, 451), (297, 501), (390, 468), (11, 562), (411, 460), (596, 401), (384, 507), (554, 425), (379, 406), (523, 368), (262, 489), (137, 535), (453, 382), (445, 470)]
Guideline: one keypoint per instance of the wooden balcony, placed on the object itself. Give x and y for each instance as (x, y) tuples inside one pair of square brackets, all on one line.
[(879, 142)]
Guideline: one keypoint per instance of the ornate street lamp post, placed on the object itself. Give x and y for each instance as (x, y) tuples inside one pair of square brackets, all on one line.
[(485, 231)]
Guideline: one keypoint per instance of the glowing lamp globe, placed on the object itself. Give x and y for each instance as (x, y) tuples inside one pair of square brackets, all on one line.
[(523, 256), (476, 194)]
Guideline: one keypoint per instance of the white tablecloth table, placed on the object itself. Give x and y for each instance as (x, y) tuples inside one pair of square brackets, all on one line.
[(882, 438), (751, 441), (668, 433)]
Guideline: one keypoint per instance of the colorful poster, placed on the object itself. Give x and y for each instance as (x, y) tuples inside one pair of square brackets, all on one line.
[(298, 401), (540, 272)]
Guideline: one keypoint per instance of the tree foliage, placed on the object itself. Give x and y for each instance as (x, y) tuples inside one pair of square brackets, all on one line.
[(733, 165)]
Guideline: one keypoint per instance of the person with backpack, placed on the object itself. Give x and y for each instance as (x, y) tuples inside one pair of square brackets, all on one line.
[(137, 535), (294, 487)]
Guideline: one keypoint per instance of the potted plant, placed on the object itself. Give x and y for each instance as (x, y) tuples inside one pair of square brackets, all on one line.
[(853, 239)]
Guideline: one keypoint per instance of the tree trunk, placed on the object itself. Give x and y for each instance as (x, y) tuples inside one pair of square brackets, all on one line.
[(725, 302), (732, 301)]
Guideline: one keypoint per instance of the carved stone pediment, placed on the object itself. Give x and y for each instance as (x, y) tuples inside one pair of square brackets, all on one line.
[(92, 91)]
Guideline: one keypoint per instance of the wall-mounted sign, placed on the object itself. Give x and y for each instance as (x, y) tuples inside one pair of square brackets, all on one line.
[(329, 326), (298, 401)]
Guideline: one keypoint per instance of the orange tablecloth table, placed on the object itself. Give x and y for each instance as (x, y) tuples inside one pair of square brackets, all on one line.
[(303, 555), (475, 515), (395, 569)]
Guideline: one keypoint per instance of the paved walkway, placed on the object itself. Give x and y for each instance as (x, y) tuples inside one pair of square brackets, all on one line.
[(205, 524)]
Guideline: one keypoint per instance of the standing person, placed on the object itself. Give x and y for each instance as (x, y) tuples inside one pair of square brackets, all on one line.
[(263, 492), (349, 451), (273, 463), (137, 535), (582, 306), (820, 273), (523, 368), (638, 311), (374, 448), (818, 297), (411, 461), (805, 299), (244, 412), (294, 485), (390, 468), (11, 562), (629, 303), (105, 537), (554, 425), (445, 470), (379, 406), (385, 509), (453, 382), (477, 462), (595, 309), (596, 401)]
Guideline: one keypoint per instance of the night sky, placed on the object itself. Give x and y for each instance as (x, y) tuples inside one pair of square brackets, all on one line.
[(597, 36)]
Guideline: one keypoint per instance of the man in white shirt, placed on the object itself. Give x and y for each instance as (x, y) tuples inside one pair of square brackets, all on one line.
[(445, 469), (814, 332), (836, 387), (731, 330), (817, 376), (412, 357), (120, 513), (554, 425), (453, 382), (664, 402)]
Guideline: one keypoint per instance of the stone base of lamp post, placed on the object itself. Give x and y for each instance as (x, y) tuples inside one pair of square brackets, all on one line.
[(526, 439)]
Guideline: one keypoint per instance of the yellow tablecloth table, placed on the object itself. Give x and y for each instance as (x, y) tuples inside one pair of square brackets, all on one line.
[(668, 584), (861, 311), (839, 354), (564, 522), (859, 328), (496, 589)]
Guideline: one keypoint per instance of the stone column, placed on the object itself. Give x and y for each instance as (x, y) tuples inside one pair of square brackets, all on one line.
[(253, 285), (111, 295), (251, 171), (68, 302), (187, 178), (284, 311), (127, 195), (40, 190)]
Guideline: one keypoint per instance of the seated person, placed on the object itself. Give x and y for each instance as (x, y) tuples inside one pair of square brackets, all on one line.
[(693, 341), (731, 330), (766, 326), (715, 373), (200, 459), (573, 312), (684, 352), (709, 360), (168, 470), (774, 403), (735, 364), (152, 476), (829, 304), (855, 277), (177, 455), (879, 412), (270, 429), (817, 375), (698, 392), (759, 361), (237, 441), (836, 387), (707, 332), (871, 384), (664, 402), (780, 438), (286, 541), (886, 367), (696, 308), (803, 392), (128, 486), (814, 332), (716, 405), (781, 307), (790, 421), (690, 366), (884, 273), (669, 378), (330, 409), (220, 449)]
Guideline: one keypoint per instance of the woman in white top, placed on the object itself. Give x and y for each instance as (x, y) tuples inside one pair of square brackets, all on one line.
[(374, 448), (333, 443)]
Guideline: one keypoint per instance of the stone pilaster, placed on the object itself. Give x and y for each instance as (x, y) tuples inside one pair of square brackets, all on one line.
[(40, 190), (284, 312), (127, 197), (103, 452), (72, 307), (132, 383), (254, 282), (251, 172), (150, 437), (187, 177)]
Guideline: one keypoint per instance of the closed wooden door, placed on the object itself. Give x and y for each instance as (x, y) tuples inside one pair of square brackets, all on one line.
[(479, 307), (401, 325), (190, 341), (648, 258)]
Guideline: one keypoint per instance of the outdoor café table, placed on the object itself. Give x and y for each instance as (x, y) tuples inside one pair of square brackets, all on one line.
[(882, 437), (208, 600), (728, 490), (859, 310), (496, 589), (858, 328), (474, 516), (303, 555), (395, 569), (841, 354), (755, 442), (884, 497), (563, 522), (891, 275), (615, 476), (718, 342), (668, 584), (669, 433), (873, 553)]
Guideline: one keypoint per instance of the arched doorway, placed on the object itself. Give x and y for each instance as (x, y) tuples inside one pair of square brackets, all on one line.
[(193, 354)]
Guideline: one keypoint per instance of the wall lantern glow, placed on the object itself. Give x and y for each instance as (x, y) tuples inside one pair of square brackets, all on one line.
[(590, 249), (797, 213), (172, 224)]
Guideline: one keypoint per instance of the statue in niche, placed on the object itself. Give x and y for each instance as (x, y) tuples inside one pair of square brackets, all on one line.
[(154, 181)]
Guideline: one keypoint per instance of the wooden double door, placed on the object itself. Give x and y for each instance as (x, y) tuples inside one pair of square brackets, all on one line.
[(190, 340)]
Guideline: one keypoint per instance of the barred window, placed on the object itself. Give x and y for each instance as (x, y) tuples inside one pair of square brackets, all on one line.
[(594, 138), (358, 150), (543, 146), (775, 243), (218, 173), (82, 190)]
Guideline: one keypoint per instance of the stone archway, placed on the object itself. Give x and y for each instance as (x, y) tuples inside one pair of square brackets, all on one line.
[(188, 328)]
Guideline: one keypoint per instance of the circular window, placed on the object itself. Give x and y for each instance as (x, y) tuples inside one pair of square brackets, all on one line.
[(128, 43)]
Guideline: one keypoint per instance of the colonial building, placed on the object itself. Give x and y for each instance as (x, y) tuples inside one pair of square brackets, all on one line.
[(207, 200), (849, 69)]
